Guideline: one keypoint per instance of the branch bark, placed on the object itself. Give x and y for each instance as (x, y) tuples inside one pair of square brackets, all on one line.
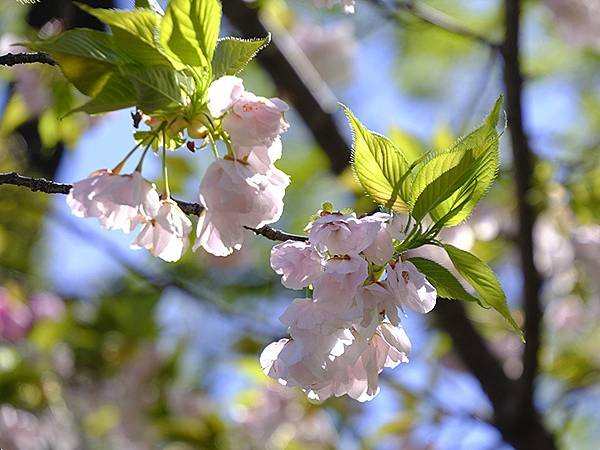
[(191, 209), (12, 59), (523, 163)]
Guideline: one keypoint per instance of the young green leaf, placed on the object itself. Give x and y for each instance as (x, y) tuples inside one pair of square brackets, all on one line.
[(117, 93), (157, 87), (380, 166), (442, 280), (449, 184), (232, 54), (86, 57), (438, 178), (483, 280), (485, 142), (135, 33), (189, 31)]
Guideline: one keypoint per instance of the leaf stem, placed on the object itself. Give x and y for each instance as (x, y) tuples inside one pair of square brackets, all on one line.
[(164, 164)]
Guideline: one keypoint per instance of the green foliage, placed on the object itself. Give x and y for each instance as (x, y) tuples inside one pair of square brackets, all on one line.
[(379, 166), (232, 54), (442, 280), (189, 31), (86, 57), (483, 280), (134, 33), (161, 62), (449, 184)]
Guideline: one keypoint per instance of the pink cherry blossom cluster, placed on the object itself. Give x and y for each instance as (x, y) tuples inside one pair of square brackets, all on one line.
[(343, 336), (121, 202), (243, 189)]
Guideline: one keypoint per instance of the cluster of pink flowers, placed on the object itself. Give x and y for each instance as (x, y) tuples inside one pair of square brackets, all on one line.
[(343, 336), (121, 202), (244, 189)]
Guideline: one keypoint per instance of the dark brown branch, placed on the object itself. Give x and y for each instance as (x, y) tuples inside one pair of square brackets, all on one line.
[(277, 235), (191, 209), (12, 59), (523, 162), (35, 184)]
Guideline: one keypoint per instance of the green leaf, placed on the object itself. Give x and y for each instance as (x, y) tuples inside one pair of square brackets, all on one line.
[(135, 33), (86, 57), (157, 87), (117, 93), (484, 142), (380, 166), (483, 280), (232, 54), (150, 4), (189, 31), (438, 178), (444, 282)]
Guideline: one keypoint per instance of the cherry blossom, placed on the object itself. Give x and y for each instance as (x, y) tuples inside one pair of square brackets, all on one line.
[(117, 201), (298, 262), (235, 196), (255, 121), (223, 93), (165, 233), (411, 287), (342, 234)]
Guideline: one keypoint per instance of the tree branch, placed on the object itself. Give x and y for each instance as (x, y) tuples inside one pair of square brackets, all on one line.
[(433, 17), (191, 209), (12, 59), (523, 162)]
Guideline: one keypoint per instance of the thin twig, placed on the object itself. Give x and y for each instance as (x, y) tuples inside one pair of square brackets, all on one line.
[(191, 209), (12, 59), (433, 17)]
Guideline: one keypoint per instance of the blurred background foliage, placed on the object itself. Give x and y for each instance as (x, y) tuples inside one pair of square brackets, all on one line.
[(105, 348)]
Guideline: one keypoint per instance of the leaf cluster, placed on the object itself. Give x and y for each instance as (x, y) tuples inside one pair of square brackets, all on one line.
[(439, 189)]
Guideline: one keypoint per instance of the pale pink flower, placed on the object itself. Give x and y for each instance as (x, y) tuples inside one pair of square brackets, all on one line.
[(255, 121), (297, 262), (117, 201), (382, 248), (377, 299), (347, 5), (337, 287), (223, 93), (261, 157), (235, 196), (342, 234), (356, 372), (165, 233), (410, 287)]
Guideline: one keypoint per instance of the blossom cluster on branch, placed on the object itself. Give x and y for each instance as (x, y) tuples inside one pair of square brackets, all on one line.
[(243, 189), (348, 330)]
